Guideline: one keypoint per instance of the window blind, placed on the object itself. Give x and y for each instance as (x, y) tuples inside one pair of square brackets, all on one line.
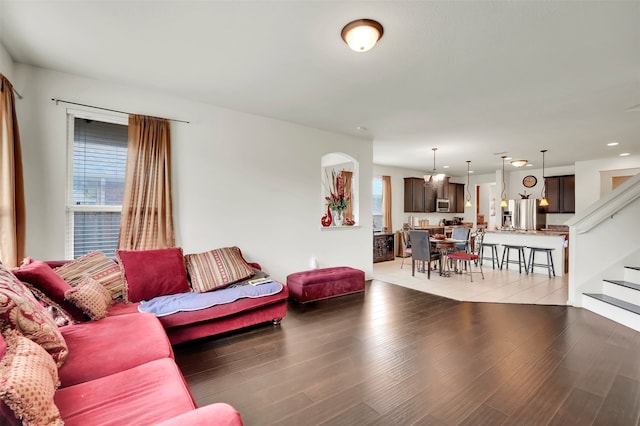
[(99, 163)]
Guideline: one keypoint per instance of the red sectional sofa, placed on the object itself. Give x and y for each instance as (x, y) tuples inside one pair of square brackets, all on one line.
[(185, 326), (120, 370)]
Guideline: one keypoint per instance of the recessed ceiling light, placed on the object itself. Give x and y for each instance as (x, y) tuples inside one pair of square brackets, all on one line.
[(529, 165), (624, 154), (508, 158), (471, 171), (613, 143), (445, 167), (361, 128)]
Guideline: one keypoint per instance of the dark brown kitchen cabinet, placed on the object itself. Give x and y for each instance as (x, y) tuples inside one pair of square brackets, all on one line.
[(421, 198), (414, 195), (457, 204), (561, 194)]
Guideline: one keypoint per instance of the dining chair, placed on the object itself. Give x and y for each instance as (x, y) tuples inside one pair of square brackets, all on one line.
[(470, 257), (421, 252), (406, 246), (461, 234)]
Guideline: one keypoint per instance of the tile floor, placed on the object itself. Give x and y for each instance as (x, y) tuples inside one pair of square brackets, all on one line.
[(506, 286)]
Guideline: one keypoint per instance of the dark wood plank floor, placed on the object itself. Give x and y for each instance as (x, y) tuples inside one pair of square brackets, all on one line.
[(396, 356)]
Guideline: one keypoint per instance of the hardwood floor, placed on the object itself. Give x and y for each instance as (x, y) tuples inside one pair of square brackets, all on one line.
[(397, 356)]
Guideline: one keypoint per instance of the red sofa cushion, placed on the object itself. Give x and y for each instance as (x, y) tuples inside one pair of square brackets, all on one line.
[(144, 395), (41, 276), (112, 344), (151, 273)]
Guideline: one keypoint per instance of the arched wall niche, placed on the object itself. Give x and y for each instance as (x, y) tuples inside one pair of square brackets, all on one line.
[(335, 163)]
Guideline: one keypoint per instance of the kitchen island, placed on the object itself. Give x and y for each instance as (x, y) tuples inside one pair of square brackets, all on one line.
[(548, 239)]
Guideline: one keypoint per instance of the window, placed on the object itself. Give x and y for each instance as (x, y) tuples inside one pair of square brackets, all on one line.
[(377, 203), (95, 185)]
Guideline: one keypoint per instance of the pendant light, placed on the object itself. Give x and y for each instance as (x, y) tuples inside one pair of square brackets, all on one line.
[(503, 203), (468, 203), (544, 202)]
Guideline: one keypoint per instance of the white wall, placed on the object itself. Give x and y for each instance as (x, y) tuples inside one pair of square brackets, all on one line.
[(238, 179), (6, 64), (588, 177)]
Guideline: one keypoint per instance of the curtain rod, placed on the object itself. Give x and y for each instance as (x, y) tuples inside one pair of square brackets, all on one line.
[(106, 109), (16, 92)]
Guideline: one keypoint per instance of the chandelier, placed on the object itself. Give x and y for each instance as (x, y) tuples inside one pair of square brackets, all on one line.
[(434, 178)]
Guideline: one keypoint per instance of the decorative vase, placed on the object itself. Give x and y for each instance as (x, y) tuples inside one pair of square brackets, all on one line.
[(326, 219), (337, 217)]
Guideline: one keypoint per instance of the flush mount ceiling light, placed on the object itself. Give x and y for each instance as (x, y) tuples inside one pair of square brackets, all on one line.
[(362, 34), (518, 163)]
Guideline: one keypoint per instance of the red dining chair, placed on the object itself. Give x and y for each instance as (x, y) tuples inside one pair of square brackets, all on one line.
[(470, 257)]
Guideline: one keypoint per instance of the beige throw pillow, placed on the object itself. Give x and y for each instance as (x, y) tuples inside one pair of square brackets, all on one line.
[(91, 297), (217, 268), (28, 381)]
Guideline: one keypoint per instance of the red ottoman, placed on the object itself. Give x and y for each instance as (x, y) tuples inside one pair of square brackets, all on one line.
[(324, 283)]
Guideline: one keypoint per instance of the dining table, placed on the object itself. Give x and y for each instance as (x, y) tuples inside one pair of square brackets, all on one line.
[(445, 246)]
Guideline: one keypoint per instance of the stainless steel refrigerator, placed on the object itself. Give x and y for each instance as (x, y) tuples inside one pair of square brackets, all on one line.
[(526, 214)]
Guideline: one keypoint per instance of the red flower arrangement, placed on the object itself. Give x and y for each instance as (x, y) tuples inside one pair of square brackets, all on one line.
[(337, 199)]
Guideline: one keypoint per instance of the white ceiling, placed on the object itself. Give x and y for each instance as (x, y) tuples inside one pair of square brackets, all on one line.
[(470, 78)]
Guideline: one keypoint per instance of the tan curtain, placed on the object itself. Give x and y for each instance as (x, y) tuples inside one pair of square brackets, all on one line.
[(147, 218), (347, 178), (386, 203), (12, 205)]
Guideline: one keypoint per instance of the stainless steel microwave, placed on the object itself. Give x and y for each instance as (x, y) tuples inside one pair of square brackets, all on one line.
[(442, 205)]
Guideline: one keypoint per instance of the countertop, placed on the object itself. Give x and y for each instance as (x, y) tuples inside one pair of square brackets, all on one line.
[(530, 232)]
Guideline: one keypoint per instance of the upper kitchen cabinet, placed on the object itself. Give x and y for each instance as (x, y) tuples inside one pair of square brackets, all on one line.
[(456, 197), (418, 197), (414, 195), (561, 194), (421, 198)]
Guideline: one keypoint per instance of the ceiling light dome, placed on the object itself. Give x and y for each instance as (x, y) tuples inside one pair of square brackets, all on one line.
[(362, 34)]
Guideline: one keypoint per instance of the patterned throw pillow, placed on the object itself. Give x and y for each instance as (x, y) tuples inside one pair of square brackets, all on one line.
[(91, 297), (99, 267), (217, 268), (20, 310), (28, 381)]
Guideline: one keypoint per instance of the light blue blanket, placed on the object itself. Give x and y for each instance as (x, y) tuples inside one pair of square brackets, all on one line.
[(184, 302)]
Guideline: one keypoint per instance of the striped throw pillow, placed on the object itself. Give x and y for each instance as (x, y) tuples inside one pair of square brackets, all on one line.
[(217, 268), (99, 267)]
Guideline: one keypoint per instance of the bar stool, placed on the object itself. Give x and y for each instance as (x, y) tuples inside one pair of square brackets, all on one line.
[(494, 254), (521, 259), (548, 265)]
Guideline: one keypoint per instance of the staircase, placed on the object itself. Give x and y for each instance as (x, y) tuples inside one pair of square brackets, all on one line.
[(619, 300)]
